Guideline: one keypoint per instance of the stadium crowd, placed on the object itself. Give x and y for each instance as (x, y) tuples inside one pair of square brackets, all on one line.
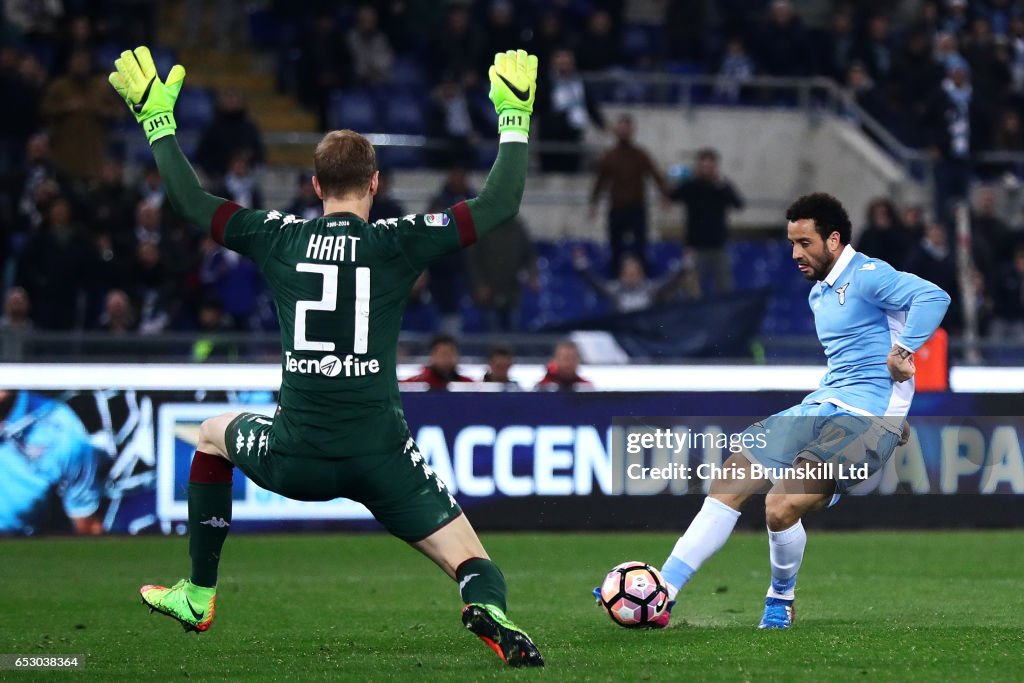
[(85, 245)]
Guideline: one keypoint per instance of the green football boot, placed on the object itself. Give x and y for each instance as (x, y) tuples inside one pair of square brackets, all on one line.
[(507, 640), (190, 605)]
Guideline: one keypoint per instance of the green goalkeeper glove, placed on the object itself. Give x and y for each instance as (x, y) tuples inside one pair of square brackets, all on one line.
[(150, 99), (513, 89)]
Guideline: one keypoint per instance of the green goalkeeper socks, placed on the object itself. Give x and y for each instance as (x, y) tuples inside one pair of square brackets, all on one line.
[(481, 582), (209, 515)]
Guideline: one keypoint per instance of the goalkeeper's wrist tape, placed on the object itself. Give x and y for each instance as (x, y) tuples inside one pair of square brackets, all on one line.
[(159, 126), (514, 121)]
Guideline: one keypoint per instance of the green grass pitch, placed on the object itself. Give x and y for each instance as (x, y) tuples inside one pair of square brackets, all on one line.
[(891, 606)]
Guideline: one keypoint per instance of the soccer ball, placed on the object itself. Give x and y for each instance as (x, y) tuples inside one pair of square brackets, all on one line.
[(633, 594)]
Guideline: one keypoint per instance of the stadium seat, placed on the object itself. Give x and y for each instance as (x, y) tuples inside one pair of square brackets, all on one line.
[(353, 109), (403, 115), (194, 108)]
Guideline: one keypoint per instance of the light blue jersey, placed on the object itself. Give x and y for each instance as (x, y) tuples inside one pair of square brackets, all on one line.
[(861, 309), (44, 449)]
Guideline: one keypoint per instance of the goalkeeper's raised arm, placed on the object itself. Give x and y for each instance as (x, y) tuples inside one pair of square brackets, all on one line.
[(513, 78), (151, 101)]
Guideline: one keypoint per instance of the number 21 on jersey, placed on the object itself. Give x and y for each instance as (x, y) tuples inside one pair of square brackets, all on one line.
[(329, 302)]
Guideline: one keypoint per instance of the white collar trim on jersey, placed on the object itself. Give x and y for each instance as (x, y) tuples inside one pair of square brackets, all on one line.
[(844, 260)]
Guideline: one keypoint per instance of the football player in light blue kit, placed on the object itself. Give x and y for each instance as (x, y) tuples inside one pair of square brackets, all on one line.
[(870, 318), (45, 448)]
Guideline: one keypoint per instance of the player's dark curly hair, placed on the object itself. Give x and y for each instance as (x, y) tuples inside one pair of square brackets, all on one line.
[(827, 213)]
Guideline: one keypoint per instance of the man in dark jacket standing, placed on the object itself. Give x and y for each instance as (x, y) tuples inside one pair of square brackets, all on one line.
[(708, 197), (623, 173)]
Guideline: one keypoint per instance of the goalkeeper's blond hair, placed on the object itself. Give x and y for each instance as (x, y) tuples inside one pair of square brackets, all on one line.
[(344, 162)]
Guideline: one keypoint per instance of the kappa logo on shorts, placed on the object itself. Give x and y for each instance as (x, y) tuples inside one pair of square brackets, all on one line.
[(436, 220)]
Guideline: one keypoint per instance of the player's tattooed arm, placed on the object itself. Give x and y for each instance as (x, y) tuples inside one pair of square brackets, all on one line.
[(901, 363)]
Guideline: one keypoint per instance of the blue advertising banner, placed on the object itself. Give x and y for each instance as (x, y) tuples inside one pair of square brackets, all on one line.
[(513, 460)]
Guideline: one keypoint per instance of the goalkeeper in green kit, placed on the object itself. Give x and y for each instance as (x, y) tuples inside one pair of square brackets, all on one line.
[(340, 285)]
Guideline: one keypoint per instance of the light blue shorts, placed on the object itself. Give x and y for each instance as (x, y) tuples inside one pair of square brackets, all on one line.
[(826, 433)]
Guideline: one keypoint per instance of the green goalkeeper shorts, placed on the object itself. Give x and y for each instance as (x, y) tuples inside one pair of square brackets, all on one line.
[(399, 489)]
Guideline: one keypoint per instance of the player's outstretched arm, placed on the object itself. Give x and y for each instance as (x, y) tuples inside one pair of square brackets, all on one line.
[(151, 101), (513, 79)]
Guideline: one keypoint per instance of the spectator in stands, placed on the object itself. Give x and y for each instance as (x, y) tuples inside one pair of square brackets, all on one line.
[(240, 184), (999, 14), (231, 131), (372, 55), (17, 310), (1008, 135), (151, 288), (623, 173), (35, 184), (112, 201), (835, 47), (547, 37), (736, 69), (875, 51), (77, 37), (913, 220), (929, 19), (598, 49), (213, 321), (914, 77), (79, 107), (955, 122), (384, 205), (781, 49), (453, 120), (118, 318), (708, 197), (21, 80), (54, 269), (446, 275), (991, 242), (955, 19), (1017, 59), (148, 223), (325, 65), (227, 17), (499, 363), (496, 265), (563, 369), (632, 290), (935, 261), (502, 27), (1008, 299), (443, 365), (883, 237), (867, 95), (306, 204), (947, 51), (565, 109), (459, 47), (151, 186), (989, 62)]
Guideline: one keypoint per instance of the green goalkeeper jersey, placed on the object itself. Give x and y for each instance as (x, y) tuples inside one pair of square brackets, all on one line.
[(340, 286)]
